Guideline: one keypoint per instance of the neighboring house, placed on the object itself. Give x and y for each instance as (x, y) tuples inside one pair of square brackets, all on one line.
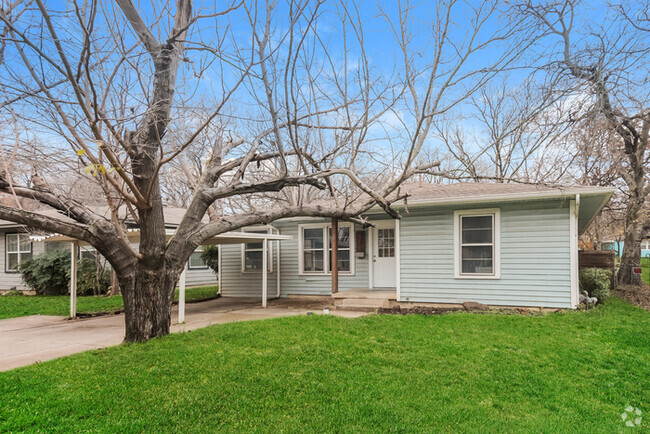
[(497, 244), (617, 246), (16, 246)]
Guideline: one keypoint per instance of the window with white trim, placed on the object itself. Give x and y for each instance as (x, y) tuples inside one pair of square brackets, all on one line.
[(252, 253), (18, 248), (316, 249), (477, 240), (196, 262), (645, 245)]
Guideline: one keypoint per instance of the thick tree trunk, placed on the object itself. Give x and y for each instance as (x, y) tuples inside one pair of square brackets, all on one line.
[(631, 256), (148, 293)]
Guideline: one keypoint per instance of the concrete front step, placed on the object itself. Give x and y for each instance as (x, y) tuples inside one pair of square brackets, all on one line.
[(361, 304)]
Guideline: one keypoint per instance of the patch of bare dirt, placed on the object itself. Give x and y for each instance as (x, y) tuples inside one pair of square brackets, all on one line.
[(420, 310), (638, 295)]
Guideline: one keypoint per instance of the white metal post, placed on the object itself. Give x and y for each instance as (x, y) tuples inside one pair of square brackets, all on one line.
[(277, 269), (73, 278), (398, 269), (181, 297), (219, 269), (265, 258)]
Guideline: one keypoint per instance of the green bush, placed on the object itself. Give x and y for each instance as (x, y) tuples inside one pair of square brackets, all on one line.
[(49, 274), (91, 279), (210, 256), (14, 293), (596, 282)]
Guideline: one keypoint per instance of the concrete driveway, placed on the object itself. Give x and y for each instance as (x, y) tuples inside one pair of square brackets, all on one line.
[(33, 339)]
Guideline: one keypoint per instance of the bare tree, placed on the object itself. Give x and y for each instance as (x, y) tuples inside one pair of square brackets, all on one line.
[(513, 133), (288, 88), (608, 62)]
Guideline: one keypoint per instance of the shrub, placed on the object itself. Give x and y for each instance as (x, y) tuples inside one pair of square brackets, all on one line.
[(49, 274), (596, 282), (92, 279), (210, 256), (14, 293)]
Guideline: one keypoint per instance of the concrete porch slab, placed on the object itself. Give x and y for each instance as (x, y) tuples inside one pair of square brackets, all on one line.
[(389, 294)]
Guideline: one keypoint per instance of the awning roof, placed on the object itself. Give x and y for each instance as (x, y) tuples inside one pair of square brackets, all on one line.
[(224, 238)]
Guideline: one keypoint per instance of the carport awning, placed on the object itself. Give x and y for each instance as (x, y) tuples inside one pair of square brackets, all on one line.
[(231, 237)]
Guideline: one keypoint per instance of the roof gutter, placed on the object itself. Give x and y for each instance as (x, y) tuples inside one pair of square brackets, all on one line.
[(567, 194)]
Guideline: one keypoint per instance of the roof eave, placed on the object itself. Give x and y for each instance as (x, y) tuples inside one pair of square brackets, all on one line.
[(508, 197)]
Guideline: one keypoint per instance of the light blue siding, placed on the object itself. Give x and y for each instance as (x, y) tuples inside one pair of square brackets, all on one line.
[(235, 283), (535, 260), (535, 263), (293, 283)]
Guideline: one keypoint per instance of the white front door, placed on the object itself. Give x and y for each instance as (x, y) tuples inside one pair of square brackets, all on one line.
[(383, 255)]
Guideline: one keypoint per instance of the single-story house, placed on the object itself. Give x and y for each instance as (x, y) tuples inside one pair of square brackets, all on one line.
[(17, 244), (496, 244)]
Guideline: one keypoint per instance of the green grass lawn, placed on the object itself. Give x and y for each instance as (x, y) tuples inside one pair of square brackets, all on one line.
[(13, 306), (567, 372)]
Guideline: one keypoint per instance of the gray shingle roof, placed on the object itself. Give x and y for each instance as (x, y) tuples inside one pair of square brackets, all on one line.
[(485, 190)]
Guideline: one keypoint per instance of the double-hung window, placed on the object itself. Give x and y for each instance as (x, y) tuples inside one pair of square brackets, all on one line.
[(252, 253), (316, 249), (18, 249), (476, 241)]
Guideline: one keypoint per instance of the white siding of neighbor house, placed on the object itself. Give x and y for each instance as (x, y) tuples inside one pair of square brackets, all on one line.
[(8, 280), (535, 258), (200, 277), (11, 279)]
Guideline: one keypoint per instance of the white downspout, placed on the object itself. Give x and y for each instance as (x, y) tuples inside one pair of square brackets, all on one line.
[(265, 268), (277, 271)]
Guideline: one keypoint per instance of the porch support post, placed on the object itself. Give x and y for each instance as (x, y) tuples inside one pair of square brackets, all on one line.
[(277, 269), (73, 278), (181, 297), (335, 255), (219, 269), (265, 268)]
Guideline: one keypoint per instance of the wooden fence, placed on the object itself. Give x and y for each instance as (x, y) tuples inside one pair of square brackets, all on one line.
[(598, 259)]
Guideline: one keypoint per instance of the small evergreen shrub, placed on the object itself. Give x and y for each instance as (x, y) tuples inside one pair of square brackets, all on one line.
[(49, 274), (596, 282), (14, 293), (210, 256)]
